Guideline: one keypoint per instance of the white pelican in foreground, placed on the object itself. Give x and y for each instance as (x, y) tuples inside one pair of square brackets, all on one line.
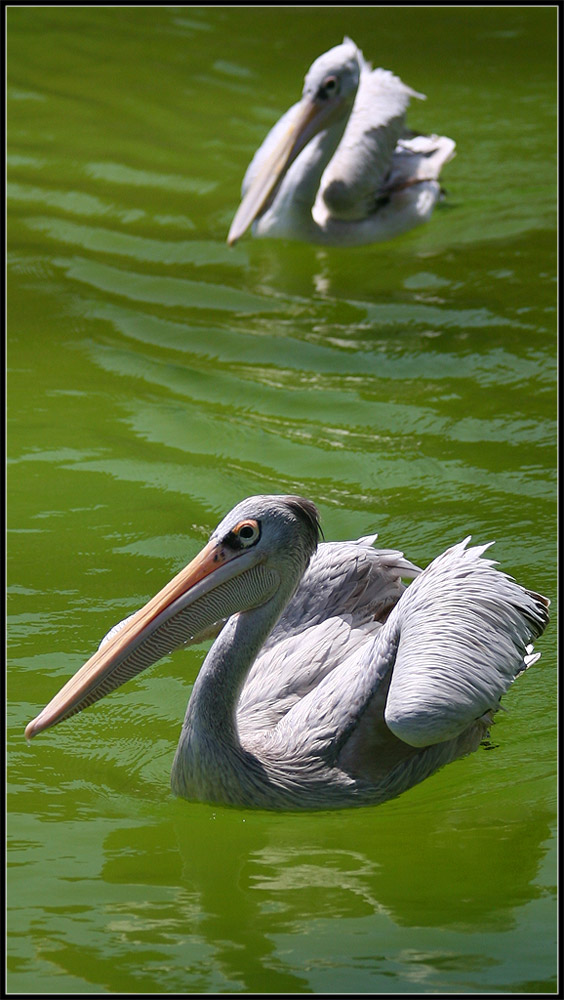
[(331, 684), (339, 168)]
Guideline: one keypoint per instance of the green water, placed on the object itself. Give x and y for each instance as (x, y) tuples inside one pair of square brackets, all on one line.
[(156, 377)]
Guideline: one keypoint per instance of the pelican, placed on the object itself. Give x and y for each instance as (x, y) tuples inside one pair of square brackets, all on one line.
[(339, 168), (331, 683)]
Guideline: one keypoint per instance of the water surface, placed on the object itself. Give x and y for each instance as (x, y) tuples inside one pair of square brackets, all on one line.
[(156, 377)]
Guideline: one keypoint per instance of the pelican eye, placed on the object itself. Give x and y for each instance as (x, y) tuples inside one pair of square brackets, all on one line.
[(246, 533), (328, 87)]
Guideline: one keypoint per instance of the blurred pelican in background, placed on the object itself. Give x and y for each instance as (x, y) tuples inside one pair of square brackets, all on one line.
[(340, 168), (330, 682)]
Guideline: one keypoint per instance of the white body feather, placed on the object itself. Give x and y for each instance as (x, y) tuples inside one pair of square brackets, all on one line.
[(361, 178)]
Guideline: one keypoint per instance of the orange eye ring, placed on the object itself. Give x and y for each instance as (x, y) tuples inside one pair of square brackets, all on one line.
[(248, 532)]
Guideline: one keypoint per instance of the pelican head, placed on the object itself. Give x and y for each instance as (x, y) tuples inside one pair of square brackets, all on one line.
[(259, 550), (328, 96)]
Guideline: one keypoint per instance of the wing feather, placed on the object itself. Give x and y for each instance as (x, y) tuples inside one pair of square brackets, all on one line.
[(342, 600), (363, 160), (464, 631), (433, 673)]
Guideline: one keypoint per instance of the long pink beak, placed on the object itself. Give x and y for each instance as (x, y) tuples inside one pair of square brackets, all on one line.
[(163, 624), (311, 118)]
